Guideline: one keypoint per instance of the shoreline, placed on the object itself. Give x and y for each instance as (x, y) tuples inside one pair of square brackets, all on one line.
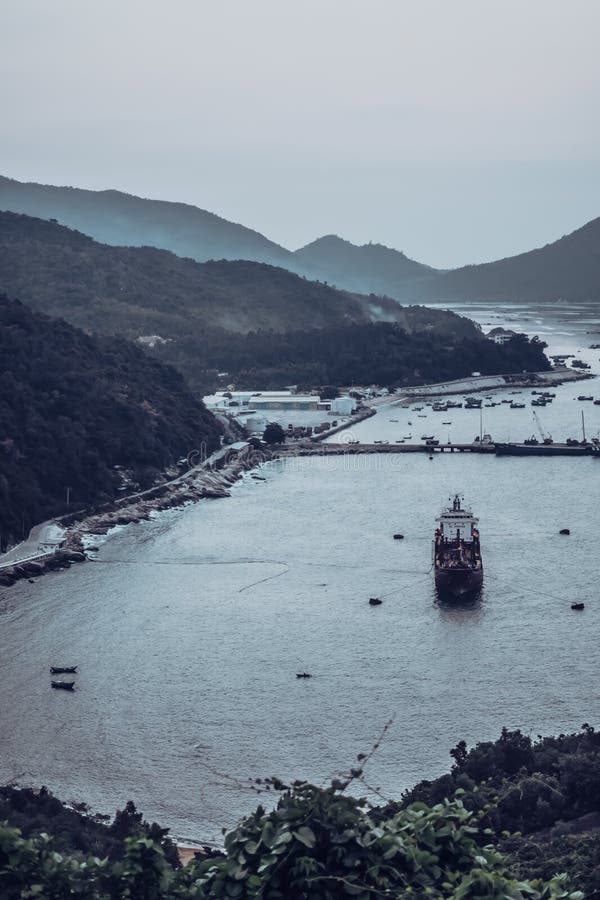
[(479, 383), (212, 478)]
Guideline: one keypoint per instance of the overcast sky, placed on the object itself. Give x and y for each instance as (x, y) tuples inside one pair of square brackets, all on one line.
[(455, 130)]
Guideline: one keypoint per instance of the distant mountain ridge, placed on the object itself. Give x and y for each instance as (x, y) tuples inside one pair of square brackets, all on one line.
[(119, 219), (568, 268), (113, 217), (370, 268)]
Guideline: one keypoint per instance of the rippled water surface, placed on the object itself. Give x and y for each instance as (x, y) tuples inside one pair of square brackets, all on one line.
[(189, 630)]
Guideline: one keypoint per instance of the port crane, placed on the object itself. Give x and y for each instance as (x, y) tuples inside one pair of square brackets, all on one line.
[(545, 436)]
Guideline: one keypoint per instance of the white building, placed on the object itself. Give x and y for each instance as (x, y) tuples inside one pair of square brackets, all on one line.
[(240, 401), (500, 335), (343, 406), (253, 422)]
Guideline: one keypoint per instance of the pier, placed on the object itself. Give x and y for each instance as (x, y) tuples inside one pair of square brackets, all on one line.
[(408, 448), (490, 449)]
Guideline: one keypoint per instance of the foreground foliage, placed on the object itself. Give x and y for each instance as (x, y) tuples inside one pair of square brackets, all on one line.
[(540, 799), (317, 843)]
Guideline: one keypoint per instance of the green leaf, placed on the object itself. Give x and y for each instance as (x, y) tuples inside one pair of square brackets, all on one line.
[(268, 835), (306, 836)]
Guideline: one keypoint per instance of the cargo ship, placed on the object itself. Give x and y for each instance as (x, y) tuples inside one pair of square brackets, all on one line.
[(457, 553), (536, 448)]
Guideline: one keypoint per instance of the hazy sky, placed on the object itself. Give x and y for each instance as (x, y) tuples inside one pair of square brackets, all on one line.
[(456, 130)]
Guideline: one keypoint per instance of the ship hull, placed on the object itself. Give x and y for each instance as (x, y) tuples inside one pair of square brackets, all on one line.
[(458, 582), (542, 450)]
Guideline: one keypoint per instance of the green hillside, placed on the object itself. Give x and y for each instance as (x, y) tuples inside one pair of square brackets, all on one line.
[(141, 290), (567, 269), (73, 408)]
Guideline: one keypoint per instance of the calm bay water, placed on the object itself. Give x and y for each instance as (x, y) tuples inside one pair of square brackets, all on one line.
[(189, 631)]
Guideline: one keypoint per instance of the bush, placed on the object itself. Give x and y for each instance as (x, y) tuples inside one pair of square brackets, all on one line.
[(318, 844)]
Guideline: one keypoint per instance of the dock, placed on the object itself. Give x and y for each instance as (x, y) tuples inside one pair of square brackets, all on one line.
[(490, 449), (348, 449)]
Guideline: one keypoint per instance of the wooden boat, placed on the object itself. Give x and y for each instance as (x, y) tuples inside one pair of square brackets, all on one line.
[(578, 606), (63, 685), (63, 670)]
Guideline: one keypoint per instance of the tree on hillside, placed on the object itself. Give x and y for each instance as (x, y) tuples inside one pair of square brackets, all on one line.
[(274, 434)]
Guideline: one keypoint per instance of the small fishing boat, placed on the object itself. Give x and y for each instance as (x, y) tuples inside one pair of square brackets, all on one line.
[(63, 685), (63, 670)]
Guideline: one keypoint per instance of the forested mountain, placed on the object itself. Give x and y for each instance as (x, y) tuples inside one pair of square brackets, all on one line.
[(73, 408), (141, 290), (196, 307), (368, 268), (298, 331), (113, 217), (378, 353), (567, 269)]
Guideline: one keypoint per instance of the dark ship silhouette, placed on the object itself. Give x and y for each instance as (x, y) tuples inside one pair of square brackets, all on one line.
[(457, 553)]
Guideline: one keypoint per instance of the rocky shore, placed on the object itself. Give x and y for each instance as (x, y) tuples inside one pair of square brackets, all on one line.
[(30, 569), (199, 483)]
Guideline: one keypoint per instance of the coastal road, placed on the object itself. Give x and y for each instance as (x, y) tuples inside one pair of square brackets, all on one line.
[(47, 537), (43, 539)]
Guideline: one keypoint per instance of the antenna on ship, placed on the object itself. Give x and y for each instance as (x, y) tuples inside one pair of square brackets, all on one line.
[(583, 425)]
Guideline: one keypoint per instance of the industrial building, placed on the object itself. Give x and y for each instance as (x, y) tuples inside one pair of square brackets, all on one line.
[(253, 409)]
